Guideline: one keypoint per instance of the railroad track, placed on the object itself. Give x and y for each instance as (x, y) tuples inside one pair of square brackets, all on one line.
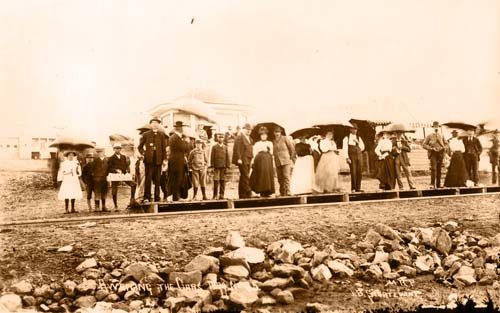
[(168, 209)]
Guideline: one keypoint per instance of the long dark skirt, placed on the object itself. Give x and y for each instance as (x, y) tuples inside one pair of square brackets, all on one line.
[(387, 173), (262, 177), (457, 173), (178, 180)]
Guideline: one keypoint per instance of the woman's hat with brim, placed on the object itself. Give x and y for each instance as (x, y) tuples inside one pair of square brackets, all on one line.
[(263, 130), (155, 118), (454, 131), (70, 152)]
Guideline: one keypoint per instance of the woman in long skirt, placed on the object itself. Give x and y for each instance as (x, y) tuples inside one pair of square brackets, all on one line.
[(386, 163), (303, 171), (456, 176), (69, 173), (327, 172), (262, 177)]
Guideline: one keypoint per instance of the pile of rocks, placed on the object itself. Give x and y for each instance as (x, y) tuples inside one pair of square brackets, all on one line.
[(238, 276)]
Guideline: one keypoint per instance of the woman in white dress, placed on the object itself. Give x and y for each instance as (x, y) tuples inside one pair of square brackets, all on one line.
[(386, 164), (303, 171), (327, 172), (69, 173)]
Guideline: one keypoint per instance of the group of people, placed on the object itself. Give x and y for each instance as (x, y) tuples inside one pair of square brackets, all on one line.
[(174, 163)]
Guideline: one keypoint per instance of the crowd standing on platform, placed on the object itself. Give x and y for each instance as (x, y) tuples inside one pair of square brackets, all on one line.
[(174, 163)]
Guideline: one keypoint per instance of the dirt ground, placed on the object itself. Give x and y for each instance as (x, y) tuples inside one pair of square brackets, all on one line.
[(30, 195), (25, 251)]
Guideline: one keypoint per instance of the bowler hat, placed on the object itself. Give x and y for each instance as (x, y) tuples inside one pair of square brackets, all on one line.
[(155, 118), (247, 126), (435, 124), (179, 124)]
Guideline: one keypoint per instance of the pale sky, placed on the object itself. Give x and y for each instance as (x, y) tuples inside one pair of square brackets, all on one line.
[(96, 66)]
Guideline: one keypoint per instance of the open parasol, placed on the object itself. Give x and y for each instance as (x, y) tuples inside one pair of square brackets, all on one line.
[(460, 125), (306, 132), (399, 128), (71, 142), (340, 129), (270, 127)]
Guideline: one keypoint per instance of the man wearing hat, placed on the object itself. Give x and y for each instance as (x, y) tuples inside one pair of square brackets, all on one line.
[(153, 146), (473, 150), (284, 157), (353, 147), (177, 161), (435, 145), (99, 174), (87, 178), (242, 157), (493, 154), (119, 163)]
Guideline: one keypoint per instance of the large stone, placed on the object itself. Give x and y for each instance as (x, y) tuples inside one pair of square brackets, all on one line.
[(43, 291), (204, 264), (29, 301), (91, 273), (136, 305), (495, 241), (285, 297), (250, 255), (236, 272), (10, 303), (288, 270), (385, 267), (22, 287), (174, 303), (70, 288), (450, 260), (185, 278), (451, 226), (112, 298), (214, 251), (229, 259), (87, 287), (372, 237), (340, 269), (243, 293), (321, 273), (88, 263), (424, 264), (407, 271), (277, 282), (374, 272), (425, 235), (466, 275), (284, 250), (380, 256), (441, 241), (195, 295), (387, 232), (319, 257), (101, 294), (397, 258), (152, 278), (234, 240), (137, 271), (85, 302), (317, 308)]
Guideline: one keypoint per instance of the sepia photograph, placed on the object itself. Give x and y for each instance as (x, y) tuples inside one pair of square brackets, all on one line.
[(193, 156)]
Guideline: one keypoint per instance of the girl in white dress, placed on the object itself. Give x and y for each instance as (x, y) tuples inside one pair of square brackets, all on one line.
[(327, 172), (69, 173), (303, 171)]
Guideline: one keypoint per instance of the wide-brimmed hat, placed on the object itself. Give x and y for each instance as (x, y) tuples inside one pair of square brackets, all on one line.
[(278, 129), (117, 145), (155, 118), (70, 152), (454, 131), (435, 124), (179, 124), (263, 130)]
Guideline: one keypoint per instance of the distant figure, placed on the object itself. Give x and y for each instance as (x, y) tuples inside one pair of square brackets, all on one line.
[(473, 150), (153, 145), (402, 160), (242, 157), (456, 176), (177, 161), (99, 174), (87, 178), (303, 171), (284, 158), (198, 163), (353, 147), (435, 145), (385, 151), (119, 163), (327, 172), (69, 173), (219, 161), (262, 177), (493, 154)]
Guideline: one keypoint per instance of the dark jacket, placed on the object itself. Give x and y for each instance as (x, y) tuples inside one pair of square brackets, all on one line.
[(242, 150), (473, 146), (152, 145), (178, 150), (99, 168), (219, 157), (115, 164), (87, 173), (284, 151), (402, 152)]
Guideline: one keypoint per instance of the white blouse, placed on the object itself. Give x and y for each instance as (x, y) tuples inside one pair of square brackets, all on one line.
[(383, 148), (456, 145), (327, 145), (260, 146), (69, 168)]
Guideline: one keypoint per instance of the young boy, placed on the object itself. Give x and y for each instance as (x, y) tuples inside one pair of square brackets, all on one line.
[(197, 162), (87, 178), (220, 162)]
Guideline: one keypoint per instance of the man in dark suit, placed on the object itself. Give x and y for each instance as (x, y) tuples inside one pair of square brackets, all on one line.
[(284, 157), (153, 146), (99, 172), (435, 145), (177, 161), (242, 157), (119, 163), (473, 150)]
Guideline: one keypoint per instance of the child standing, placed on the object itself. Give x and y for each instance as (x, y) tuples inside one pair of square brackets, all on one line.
[(197, 162), (219, 161), (69, 174)]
